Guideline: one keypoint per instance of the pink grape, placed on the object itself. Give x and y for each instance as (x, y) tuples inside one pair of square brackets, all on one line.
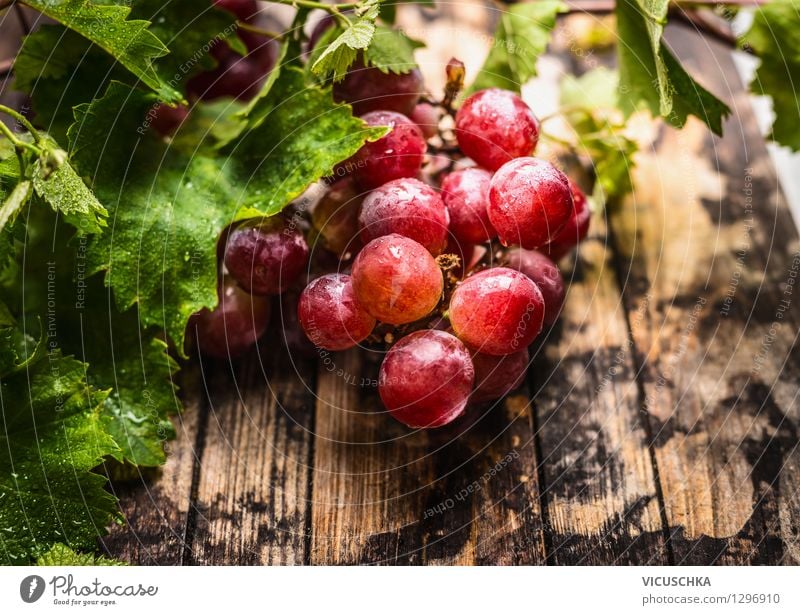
[(166, 120), (529, 202), (232, 327), (335, 218), (262, 51), (547, 277), (495, 376), (497, 311), (426, 116), (494, 126), (426, 378), (466, 194), (408, 207), (243, 9), (234, 77), (320, 28), (576, 228), (370, 89), (331, 315), (398, 154), (294, 338), (267, 257), (397, 280)]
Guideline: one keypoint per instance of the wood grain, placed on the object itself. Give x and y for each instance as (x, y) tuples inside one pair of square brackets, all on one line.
[(157, 505), (601, 495), (663, 427), (708, 251), (463, 494), (252, 490)]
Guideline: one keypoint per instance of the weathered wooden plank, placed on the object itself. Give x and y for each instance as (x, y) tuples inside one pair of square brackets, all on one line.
[(601, 498), (462, 494), (251, 495), (157, 505), (709, 256)]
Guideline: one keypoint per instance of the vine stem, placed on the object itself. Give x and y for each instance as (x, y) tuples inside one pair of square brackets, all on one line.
[(607, 6), (17, 143), (276, 36), (311, 4), (22, 120)]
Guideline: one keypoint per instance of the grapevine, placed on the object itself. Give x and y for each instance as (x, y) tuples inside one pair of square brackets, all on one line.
[(180, 172)]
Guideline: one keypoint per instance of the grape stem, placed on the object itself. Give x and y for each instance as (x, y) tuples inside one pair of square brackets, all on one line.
[(22, 120), (310, 4), (275, 36), (17, 143)]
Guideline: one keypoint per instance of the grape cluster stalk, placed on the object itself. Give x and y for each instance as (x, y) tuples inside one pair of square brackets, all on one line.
[(447, 261)]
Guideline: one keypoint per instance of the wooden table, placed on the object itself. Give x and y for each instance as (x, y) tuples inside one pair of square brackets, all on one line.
[(658, 424)]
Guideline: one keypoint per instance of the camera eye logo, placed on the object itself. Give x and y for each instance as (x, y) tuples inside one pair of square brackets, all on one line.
[(31, 588)]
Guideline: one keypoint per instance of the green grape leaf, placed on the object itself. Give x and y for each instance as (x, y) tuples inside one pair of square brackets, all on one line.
[(591, 106), (130, 42), (63, 69), (60, 69), (392, 51), (62, 555), (57, 183), (141, 372), (208, 125), (337, 56), (12, 194), (14, 202), (81, 321), (190, 29), (773, 36), (169, 209), (520, 38), (295, 136), (53, 436), (650, 75)]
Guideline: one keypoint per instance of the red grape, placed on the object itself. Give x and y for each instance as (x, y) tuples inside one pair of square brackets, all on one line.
[(262, 51), (335, 218), (243, 9), (495, 376), (370, 89), (165, 120), (397, 280), (407, 207), (493, 126), (235, 76), (529, 202), (232, 327), (294, 338), (320, 28), (426, 378), (547, 277), (330, 314), (266, 257), (398, 154), (497, 311), (466, 194), (426, 116), (576, 228)]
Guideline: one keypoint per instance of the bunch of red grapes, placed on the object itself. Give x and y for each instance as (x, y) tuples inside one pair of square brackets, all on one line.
[(453, 269)]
